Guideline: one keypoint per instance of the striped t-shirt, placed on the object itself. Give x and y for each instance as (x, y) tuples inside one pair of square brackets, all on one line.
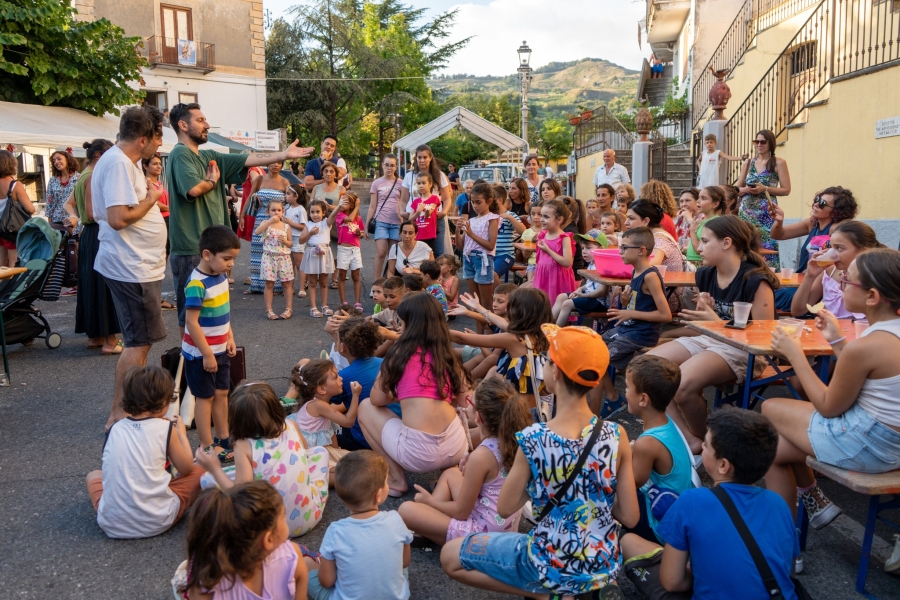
[(505, 236), (209, 293)]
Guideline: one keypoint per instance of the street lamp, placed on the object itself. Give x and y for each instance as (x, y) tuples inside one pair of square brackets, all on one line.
[(524, 71)]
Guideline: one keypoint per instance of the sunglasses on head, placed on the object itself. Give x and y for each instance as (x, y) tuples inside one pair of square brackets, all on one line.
[(405, 262)]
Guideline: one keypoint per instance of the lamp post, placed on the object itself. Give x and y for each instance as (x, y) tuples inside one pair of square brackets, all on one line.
[(524, 71)]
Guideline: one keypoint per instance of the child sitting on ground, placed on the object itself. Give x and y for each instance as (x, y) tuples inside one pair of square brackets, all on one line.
[(269, 446), (478, 361), (449, 281), (134, 495), (393, 290), (246, 524), (574, 548), (661, 457), (378, 294), (208, 342), (465, 502), (365, 555), (413, 282), (738, 449), (431, 277), (639, 325), (589, 298)]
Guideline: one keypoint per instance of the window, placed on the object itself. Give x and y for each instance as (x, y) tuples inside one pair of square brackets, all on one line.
[(803, 57), (176, 25), (157, 99), (187, 97)]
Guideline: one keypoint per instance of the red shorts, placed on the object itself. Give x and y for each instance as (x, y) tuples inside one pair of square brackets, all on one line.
[(8, 244)]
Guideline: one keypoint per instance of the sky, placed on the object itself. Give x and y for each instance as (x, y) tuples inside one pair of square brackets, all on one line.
[(556, 30)]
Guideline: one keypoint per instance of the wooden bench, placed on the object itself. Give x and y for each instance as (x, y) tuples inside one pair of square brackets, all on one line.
[(872, 485)]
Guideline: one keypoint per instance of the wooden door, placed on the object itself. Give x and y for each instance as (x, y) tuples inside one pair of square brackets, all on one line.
[(176, 25)]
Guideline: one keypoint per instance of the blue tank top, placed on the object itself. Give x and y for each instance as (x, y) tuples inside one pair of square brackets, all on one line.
[(804, 249), (679, 478), (642, 332)]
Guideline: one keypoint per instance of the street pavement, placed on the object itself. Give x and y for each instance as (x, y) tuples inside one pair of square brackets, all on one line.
[(51, 436)]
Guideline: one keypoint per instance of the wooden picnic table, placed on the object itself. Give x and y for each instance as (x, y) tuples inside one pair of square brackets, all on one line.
[(525, 247), (672, 279)]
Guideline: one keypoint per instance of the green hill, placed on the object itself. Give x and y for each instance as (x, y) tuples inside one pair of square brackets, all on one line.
[(556, 89)]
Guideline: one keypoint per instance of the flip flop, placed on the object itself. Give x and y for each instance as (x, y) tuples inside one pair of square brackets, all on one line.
[(119, 348), (165, 305)]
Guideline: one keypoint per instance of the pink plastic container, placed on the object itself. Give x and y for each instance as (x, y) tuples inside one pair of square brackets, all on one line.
[(608, 263)]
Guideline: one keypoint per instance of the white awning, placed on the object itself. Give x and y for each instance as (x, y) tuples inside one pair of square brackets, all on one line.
[(461, 117), (57, 127)]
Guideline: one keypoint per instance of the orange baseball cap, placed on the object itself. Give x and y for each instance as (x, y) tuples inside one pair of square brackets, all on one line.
[(579, 352)]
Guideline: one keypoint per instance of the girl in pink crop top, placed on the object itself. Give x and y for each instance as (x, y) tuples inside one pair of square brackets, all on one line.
[(418, 380)]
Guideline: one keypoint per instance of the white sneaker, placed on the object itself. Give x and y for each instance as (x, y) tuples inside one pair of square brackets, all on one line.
[(798, 565), (892, 565)]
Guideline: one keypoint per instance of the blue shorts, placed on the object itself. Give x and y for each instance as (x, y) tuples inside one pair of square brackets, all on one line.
[(657, 68), (502, 556), (503, 263), (590, 305), (387, 231), (201, 382), (855, 441), (480, 267)]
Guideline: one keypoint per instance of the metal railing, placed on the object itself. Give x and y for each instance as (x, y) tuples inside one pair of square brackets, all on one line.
[(658, 156), (753, 17), (696, 149), (603, 130), (167, 51), (840, 38)]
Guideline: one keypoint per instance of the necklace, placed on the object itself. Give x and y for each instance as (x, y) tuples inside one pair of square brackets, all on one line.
[(359, 512)]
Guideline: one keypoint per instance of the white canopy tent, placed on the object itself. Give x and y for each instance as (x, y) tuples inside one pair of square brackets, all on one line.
[(464, 119)]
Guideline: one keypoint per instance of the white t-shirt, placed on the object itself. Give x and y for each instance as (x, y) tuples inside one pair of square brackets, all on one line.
[(137, 501), (409, 183), (322, 237), (297, 214), (136, 253), (419, 254)]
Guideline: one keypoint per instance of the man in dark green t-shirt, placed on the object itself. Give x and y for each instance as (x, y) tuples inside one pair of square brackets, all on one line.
[(196, 181)]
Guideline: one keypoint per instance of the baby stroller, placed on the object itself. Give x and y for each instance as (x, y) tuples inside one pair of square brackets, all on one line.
[(38, 245)]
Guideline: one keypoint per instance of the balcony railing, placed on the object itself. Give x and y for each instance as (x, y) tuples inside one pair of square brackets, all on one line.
[(840, 38), (175, 53), (753, 17)]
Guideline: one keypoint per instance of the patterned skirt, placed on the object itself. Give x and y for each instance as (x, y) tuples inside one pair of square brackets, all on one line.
[(257, 283)]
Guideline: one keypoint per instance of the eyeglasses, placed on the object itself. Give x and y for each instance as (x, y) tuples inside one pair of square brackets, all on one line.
[(845, 282), (624, 247), (760, 142), (820, 202)]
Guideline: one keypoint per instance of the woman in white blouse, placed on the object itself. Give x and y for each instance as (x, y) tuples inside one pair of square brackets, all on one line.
[(409, 253)]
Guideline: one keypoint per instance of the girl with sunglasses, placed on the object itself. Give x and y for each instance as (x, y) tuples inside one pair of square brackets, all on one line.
[(853, 422)]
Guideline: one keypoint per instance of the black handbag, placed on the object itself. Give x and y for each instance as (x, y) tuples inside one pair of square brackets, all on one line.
[(13, 216), (756, 554), (370, 227)]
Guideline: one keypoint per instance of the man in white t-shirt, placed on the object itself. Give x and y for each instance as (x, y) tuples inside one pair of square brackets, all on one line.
[(132, 254), (610, 171)]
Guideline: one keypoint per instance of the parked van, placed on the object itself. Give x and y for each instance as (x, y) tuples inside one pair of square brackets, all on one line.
[(489, 174)]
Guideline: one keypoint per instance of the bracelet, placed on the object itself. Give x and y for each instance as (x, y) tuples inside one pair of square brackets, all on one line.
[(837, 341)]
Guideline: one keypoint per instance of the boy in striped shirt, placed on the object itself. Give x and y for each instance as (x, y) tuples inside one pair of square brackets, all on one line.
[(208, 339)]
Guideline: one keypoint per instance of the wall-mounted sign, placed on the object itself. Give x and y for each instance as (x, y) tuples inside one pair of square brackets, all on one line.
[(260, 140), (268, 140), (887, 127)]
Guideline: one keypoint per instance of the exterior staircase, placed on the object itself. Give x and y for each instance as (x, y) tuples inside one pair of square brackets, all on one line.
[(657, 89), (679, 170)]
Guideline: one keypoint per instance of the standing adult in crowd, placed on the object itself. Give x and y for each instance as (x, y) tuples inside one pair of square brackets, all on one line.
[(610, 171), (64, 176), (269, 187), (660, 194), (328, 152), (425, 162), (95, 314), (761, 174), (152, 170), (11, 191), (383, 198), (533, 178), (520, 197), (453, 178), (132, 237), (197, 180)]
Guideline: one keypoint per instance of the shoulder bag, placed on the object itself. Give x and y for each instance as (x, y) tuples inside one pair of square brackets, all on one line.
[(13, 216), (371, 225), (756, 554), (557, 498)]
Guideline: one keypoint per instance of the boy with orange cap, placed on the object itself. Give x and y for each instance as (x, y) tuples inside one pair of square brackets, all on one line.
[(576, 470)]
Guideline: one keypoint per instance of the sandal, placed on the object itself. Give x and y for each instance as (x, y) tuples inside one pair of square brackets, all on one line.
[(334, 285), (301, 294), (287, 313), (358, 306), (327, 311), (165, 305), (270, 315), (315, 312), (247, 281), (117, 350), (225, 456), (231, 280)]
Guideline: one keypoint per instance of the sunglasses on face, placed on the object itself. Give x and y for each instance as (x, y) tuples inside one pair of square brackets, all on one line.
[(759, 142), (820, 202)]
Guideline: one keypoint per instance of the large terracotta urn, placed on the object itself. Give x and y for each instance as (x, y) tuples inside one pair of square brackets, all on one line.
[(643, 120), (719, 94)]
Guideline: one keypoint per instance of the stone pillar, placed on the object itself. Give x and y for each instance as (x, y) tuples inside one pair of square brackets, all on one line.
[(717, 128), (257, 36), (84, 10), (640, 164)]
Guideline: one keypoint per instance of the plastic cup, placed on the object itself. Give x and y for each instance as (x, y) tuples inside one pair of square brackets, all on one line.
[(786, 274), (742, 313), (662, 270), (860, 326), (793, 327), (828, 258)]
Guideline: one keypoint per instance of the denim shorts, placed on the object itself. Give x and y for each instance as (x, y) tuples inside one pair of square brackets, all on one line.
[(480, 267), (503, 263), (855, 441), (387, 231), (502, 556)]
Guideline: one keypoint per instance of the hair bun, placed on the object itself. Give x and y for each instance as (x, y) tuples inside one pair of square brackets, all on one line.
[(86, 145)]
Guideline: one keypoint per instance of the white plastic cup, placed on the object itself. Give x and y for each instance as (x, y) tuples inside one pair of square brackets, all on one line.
[(742, 313), (786, 274), (793, 327), (662, 270), (860, 326)]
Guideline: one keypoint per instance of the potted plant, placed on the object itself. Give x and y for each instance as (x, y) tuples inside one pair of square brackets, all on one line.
[(586, 114), (574, 120)]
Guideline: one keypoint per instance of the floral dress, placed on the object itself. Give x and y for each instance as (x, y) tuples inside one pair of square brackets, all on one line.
[(300, 475), (755, 210), (56, 196), (257, 283)]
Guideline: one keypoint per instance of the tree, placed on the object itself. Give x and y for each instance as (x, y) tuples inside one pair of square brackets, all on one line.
[(554, 140), (50, 58)]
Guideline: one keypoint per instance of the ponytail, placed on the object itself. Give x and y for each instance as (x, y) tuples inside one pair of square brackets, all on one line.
[(716, 194), (745, 240), (504, 413), (860, 234), (224, 530)]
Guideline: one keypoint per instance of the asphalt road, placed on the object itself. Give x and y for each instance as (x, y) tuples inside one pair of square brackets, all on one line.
[(51, 435)]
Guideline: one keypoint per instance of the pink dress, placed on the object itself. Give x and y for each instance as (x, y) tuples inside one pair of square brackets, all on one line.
[(484, 515), (278, 578), (549, 275)]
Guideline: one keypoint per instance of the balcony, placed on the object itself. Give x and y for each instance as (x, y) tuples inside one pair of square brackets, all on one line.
[(665, 20), (167, 52)]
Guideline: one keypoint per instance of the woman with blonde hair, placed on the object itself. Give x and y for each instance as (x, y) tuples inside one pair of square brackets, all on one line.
[(660, 194)]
